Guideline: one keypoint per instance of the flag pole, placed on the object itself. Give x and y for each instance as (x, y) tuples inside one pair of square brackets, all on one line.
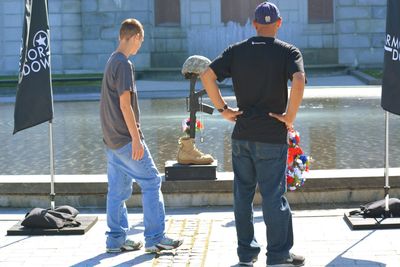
[(52, 193), (387, 187)]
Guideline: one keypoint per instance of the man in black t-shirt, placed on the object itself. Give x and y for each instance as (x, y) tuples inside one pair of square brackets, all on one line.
[(260, 68)]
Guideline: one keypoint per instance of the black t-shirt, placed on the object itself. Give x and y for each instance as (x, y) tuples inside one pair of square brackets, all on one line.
[(260, 68)]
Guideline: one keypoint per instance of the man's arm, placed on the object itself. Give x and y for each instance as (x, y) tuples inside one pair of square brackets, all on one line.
[(296, 96), (129, 117), (209, 80)]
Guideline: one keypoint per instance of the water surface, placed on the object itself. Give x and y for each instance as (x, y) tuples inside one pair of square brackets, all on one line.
[(338, 133)]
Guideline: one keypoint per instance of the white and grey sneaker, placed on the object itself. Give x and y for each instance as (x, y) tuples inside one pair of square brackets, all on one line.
[(165, 244), (129, 245)]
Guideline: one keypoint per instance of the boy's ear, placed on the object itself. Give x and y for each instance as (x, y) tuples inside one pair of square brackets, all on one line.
[(131, 38)]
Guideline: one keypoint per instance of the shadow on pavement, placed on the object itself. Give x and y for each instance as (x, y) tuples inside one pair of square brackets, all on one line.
[(14, 242), (99, 258), (139, 259), (343, 261), (256, 219), (95, 260)]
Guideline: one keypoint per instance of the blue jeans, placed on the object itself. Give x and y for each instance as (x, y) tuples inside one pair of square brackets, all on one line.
[(121, 171), (261, 164)]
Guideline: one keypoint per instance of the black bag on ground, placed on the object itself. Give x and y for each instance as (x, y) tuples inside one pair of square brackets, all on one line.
[(58, 218), (67, 209), (376, 209)]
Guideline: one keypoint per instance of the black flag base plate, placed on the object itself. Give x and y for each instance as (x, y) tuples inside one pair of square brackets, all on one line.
[(86, 223), (358, 222)]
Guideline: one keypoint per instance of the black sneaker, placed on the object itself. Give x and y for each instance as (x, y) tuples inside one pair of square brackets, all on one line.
[(248, 263), (293, 260)]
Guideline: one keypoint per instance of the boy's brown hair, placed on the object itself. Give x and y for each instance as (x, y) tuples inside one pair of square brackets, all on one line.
[(130, 27)]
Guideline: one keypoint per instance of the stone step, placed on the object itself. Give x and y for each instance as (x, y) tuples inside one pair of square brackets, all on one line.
[(323, 187)]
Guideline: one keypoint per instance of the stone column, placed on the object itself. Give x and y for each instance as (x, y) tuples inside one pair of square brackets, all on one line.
[(169, 49), (101, 20), (66, 36), (361, 26), (2, 37), (10, 36)]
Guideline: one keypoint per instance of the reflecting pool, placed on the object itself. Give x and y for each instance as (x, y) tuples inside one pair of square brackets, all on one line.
[(337, 132)]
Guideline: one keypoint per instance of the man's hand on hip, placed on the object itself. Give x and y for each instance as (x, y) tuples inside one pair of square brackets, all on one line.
[(230, 114), (283, 118)]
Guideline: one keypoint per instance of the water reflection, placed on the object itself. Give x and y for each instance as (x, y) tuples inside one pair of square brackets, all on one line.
[(337, 133)]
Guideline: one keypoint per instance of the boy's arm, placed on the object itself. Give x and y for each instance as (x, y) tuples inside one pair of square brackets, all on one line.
[(296, 96), (129, 117)]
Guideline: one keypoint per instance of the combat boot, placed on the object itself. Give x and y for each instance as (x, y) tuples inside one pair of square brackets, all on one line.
[(189, 154)]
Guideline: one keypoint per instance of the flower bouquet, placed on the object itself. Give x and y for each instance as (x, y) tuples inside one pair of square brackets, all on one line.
[(297, 162), (186, 126)]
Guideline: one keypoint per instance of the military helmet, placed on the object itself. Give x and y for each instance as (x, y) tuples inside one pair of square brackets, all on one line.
[(195, 65)]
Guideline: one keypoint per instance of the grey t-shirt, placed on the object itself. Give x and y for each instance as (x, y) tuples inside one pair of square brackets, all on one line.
[(118, 77)]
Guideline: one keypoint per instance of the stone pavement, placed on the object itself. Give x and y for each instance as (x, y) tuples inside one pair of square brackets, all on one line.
[(209, 236)]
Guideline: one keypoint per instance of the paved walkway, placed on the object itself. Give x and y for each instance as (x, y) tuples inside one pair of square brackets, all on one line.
[(209, 236)]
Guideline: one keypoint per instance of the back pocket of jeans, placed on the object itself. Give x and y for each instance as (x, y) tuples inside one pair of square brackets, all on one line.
[(270, 151)]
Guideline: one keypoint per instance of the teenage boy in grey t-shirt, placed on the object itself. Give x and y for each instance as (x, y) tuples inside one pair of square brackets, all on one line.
[(128, 157)]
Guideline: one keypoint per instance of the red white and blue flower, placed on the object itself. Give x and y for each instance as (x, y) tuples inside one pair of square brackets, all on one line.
[(297, 162)]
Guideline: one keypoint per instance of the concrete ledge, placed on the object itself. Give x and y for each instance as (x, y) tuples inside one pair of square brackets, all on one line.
[(323, 187), (367, 79)]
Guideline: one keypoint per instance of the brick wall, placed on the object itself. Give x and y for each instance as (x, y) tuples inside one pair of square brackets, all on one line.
[(360, 26), (85, 32), (10, 35)]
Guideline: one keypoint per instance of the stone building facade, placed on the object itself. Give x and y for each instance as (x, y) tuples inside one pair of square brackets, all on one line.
[(85, 32)]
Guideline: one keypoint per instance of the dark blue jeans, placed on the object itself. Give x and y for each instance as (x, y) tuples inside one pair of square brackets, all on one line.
[(261, 164)]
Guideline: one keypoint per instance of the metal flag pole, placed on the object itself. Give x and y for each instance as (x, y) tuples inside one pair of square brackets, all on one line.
[(52, 193), (387, 187)]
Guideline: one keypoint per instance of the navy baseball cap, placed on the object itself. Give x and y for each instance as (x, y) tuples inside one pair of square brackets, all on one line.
[(266, 13)]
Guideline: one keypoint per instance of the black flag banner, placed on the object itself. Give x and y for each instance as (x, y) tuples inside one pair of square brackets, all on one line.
[(34, 99), (391, 70)]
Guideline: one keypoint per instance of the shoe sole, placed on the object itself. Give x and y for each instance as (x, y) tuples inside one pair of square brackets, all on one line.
[(248, 263), (286, 265), (124, 249), (116, 250), (160, 248), (152, 250), (187, 162)]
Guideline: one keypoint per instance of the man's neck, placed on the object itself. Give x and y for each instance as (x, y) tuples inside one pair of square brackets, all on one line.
[(266, 34)]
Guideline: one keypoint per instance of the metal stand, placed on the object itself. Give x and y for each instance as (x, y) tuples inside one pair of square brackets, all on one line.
[(52, 193), (86, 222), (175, 171), (387, 187), (357, 222)]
